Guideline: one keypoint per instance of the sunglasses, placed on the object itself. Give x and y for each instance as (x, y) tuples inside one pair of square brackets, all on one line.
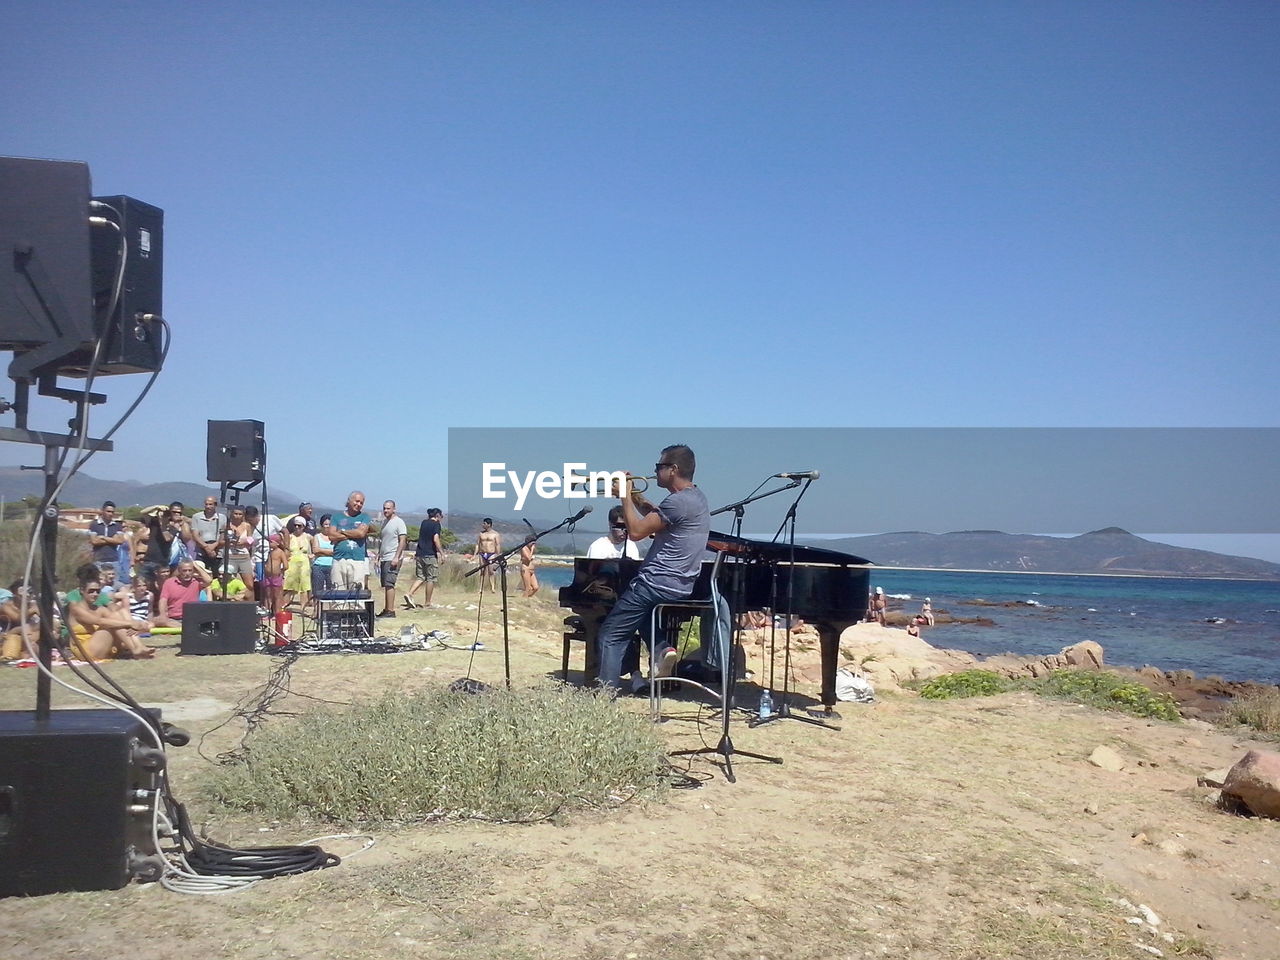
[(91, 592), (659, 466), (618, 526)]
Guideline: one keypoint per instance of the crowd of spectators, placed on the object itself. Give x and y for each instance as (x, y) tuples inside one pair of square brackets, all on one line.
[(143, 573)]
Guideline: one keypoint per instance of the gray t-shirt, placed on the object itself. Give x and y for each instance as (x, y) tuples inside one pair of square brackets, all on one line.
[(392, 531), (675, 559), (208, 529)]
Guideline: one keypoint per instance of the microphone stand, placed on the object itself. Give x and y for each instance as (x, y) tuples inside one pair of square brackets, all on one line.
[(501, 561), (784, 711), (729, 676)]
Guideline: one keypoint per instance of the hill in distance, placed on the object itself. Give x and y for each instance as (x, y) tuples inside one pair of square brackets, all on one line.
[(1107, 551)]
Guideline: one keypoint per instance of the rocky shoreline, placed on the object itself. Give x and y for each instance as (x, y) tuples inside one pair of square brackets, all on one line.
[(889, 657)]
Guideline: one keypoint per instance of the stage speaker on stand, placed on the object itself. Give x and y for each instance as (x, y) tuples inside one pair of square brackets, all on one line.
[(237, 451), (220, 627)]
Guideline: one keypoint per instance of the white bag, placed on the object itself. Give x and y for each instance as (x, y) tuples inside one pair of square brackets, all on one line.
[(853, 687)]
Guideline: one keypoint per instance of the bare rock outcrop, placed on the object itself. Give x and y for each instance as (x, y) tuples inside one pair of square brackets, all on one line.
[(1255, 782)]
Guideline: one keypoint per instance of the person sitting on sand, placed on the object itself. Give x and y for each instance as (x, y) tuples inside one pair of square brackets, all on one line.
[(99, 633), (182, 588), (237, 590), (14, 635), (913, 628), (926, 611)]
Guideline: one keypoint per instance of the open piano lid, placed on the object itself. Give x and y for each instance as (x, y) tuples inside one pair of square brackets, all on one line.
[(764, 550)]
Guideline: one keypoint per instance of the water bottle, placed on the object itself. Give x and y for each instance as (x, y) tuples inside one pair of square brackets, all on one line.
[(766, 704)]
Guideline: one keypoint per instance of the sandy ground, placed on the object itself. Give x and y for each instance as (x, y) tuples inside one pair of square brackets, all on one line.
[(961, 829)]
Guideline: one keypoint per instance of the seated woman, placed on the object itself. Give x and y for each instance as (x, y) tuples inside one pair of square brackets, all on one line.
[(14, 635), (100, 633)]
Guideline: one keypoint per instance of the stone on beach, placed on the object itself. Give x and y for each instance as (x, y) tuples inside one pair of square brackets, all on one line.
[(1106, 759), (1255, 782)]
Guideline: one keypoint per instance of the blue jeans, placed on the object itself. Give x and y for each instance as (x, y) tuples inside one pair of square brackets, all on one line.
[(632, 612)]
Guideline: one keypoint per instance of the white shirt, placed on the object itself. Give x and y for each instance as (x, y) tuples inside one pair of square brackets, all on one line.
[(606, 549)]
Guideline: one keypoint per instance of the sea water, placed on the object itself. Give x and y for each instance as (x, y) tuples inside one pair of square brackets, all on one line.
[(1228, 628)]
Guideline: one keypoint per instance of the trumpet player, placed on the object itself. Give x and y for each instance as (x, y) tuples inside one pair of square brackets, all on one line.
[(679, 526)]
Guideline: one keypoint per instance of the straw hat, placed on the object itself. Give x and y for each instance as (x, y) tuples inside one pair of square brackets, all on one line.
[(155, 510)]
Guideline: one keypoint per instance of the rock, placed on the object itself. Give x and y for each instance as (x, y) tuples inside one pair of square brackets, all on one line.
[(1213, 778), (1107, 759), (1255, 780), (1182, 676), (1154, 674), (1150, 833), (1173, 848), (1091, 807), (1085, 654)]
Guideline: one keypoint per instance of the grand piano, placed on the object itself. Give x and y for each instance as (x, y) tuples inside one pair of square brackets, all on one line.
[(827, 588)]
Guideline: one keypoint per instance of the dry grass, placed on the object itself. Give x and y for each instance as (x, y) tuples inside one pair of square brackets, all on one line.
[(1259, 709), (948, 830)]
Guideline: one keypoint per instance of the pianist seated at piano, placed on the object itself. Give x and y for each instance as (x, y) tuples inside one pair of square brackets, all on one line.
[(679, 526), (614, 544)]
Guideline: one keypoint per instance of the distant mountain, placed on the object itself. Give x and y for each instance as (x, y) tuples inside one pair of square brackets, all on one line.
[(1110, 550), (84, 490)]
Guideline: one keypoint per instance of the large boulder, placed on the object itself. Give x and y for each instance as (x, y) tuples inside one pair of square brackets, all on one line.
[(1086, 654), (1255, 782), (891, 657)]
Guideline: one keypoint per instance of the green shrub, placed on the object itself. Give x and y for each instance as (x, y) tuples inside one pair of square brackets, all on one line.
[(500, 755), (967, 683), (1106, 691)]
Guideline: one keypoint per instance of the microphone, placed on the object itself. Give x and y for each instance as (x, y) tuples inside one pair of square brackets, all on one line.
[(806, 475), (581, 513)]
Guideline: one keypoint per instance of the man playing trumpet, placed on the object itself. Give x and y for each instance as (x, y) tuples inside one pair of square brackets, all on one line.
[(679, 527)]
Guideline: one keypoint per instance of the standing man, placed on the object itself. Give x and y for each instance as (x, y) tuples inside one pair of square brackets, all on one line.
[(390, 554), (163, 526), (348, 532), (105, 536), (427, 557), (679, 527), (207, 529), (488, 545)]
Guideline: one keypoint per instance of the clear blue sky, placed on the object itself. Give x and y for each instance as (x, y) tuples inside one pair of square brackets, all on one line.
[(387, 219)]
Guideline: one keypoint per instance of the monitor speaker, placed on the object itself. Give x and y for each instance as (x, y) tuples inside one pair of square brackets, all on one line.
[(237, 451), (133, 337), (220, 627), (76, 795), (45, 294)]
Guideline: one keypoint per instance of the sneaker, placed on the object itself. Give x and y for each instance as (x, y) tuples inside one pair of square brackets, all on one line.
[(385, 613), (667, 663)]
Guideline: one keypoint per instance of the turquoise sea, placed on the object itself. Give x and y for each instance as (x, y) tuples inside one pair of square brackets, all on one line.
[(1230, 628)]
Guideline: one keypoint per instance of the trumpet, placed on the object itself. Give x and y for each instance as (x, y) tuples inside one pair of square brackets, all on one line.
[(610, 484)]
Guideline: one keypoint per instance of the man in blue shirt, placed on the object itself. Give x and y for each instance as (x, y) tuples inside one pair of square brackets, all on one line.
[(679, 527), (347, 533)]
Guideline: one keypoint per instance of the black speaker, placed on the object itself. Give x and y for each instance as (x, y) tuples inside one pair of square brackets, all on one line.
[(221, 627), (237, 451), (76, 793), (132, 333), (45, 294)]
